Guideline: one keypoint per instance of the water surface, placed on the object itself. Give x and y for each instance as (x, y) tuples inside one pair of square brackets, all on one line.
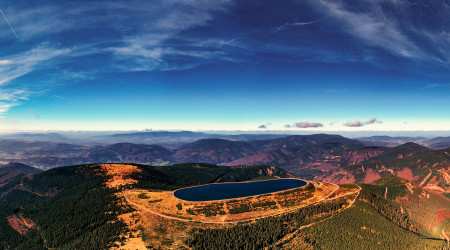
[(235, 190)]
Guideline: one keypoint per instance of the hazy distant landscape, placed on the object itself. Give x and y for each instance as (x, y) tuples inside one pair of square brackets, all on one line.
[(163, 148)]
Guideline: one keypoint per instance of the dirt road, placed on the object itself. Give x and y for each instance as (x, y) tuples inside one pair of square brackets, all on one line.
[(226, 222)]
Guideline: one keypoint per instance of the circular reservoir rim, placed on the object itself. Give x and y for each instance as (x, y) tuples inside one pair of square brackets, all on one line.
[(232, 182)]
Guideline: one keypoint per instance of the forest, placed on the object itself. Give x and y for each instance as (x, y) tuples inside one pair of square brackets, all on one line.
[(73, 209)]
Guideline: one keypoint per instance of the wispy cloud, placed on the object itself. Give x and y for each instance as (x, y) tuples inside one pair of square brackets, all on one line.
[(142, 30), (4, 108), (11, 97), (357, 123), (374, 28), (288, 25), (23, 63), (437, 85)]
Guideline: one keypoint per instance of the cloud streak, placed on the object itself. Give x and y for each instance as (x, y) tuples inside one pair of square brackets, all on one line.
[(6, 19), (288, 25), (357, 123)]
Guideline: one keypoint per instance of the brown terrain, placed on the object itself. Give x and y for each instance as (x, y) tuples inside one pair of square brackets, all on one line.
[(119, 174), (161, 220), (165, 225), (20, 223), (167, 205)]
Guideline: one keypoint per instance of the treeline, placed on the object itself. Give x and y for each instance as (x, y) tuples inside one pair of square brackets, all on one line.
[(190, 174), (388, 210), (262, 233)]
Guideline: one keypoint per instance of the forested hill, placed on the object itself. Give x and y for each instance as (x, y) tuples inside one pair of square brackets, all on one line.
[(428, 169), (427, 211), (73, 208), (15, 167)]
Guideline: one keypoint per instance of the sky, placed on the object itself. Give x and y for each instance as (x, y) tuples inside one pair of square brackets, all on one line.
[(316, 65)]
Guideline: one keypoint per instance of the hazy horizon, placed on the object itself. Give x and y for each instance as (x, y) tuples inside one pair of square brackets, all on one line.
[(350, 134)]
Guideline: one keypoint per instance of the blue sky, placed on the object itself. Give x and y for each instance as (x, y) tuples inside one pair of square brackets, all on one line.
[(226, 65)]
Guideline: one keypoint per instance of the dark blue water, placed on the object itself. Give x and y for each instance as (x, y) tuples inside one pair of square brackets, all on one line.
[(236, 190)]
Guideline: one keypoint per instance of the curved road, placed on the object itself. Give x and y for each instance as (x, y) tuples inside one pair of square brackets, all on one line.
[(233, 222), (445, 236)]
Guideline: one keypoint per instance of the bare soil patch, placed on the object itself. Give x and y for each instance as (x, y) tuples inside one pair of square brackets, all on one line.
[(21, 224), (119, 174)]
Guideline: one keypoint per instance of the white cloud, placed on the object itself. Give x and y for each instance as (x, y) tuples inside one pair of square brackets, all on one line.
[(4, 107), (143, 29), (25, 62), (21, 64), (5, 62), (357, 123), (353, 124), (307, 124)]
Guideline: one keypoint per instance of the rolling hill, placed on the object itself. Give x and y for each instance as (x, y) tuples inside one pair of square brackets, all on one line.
[(213, 151), (429, 169), (17, 167)]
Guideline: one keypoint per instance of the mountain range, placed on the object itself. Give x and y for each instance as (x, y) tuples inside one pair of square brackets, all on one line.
[(332, 158)]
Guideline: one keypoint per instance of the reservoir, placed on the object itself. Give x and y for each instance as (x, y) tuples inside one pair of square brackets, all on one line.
[(222, 191)]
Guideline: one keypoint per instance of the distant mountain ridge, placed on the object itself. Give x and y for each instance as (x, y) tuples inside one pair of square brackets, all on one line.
[(333, 158), (16, 167), (388, 141), (213, 151)]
